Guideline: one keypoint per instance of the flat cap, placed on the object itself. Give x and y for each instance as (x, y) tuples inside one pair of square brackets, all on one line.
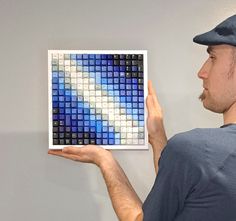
[(224, 33)]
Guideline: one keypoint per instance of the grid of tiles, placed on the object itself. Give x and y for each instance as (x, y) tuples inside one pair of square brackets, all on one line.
[(97, 98)]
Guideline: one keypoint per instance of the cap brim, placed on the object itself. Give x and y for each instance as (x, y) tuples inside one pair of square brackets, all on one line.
[(213, 38), (208, 38)]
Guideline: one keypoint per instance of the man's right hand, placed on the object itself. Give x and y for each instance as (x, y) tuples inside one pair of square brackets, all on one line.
[(156, 131)]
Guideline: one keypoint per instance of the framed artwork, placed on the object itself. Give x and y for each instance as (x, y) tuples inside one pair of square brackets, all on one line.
[(97, 97)]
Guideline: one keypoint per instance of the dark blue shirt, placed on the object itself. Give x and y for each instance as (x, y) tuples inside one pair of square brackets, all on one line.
[(197, 178)]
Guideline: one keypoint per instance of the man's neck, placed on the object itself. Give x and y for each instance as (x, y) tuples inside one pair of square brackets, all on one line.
[(230, 115)]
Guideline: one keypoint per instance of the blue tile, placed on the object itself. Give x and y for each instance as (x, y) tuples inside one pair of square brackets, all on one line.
[(117, 141), (140, 99), (129, 111), (73, 56), (55, 80), (79, 62), (128, 81), (80, 129), (129, 99), (91, 62), (122, 68), (110, 62), (61, 92), (79, 56), (116, 74), (73, 123), (61, 104), (86, 123), (61, 110), (111, 135), (116, 86), (98, 62), (55, 86), (91, 56), (98, 141), (55, 74), (92, 129), (128, 87), (110, 68), (104, 68), (103, 56), (111, 141), (61, 74), (97, 68), (104, 135), (122, 80), (104, 62), (67, 104), (85, 56), (73, 141), (67, 98), (92, 123), (68, 111), (104, 141), (55, 117), (104, 74), (61, 116), (141, 117), (98, 135), (80, 123), (80, 117), (104, 129), (54, 98), (61, 86), (128, 93), (86, 111), (122, 62), (117, 135), (110, 81), (135, 99), (141, 105), (73, 104), (74, 98), (122, 99), (122, 74), (55, 104)]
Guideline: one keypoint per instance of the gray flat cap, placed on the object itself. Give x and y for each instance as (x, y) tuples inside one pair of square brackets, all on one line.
[(224, 33)]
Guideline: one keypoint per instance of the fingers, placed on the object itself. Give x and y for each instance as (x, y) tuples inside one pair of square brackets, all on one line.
[(62, 154), (151, 90), (152, 94)]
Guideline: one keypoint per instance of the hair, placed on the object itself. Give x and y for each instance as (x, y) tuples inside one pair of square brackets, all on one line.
[(233, 62)]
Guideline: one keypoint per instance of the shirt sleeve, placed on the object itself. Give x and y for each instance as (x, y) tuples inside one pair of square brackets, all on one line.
[(176, 178)]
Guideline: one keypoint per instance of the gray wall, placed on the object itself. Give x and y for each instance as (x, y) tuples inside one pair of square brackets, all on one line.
[(36, 186)]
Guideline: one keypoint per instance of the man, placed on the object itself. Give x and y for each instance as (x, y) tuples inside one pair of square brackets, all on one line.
[(196, 170)]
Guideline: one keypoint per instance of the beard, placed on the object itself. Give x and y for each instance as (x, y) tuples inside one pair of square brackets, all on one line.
[(202, 96)]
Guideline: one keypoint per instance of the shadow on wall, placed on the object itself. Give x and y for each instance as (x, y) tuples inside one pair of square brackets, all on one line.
[(38, 186)]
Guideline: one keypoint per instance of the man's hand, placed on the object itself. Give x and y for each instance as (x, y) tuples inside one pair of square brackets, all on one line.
[(87, 154), (156, 132)]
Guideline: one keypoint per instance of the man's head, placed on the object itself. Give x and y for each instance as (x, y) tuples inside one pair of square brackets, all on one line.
[(219, 71), (219, 78)]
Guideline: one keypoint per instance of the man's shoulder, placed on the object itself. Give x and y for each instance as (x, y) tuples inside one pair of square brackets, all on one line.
[(202, 146), (191, 144)]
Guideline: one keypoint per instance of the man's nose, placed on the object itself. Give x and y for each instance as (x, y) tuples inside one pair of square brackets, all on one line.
[(203, 72)]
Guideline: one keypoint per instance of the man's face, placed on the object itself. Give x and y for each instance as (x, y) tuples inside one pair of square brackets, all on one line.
[(219, 78)]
